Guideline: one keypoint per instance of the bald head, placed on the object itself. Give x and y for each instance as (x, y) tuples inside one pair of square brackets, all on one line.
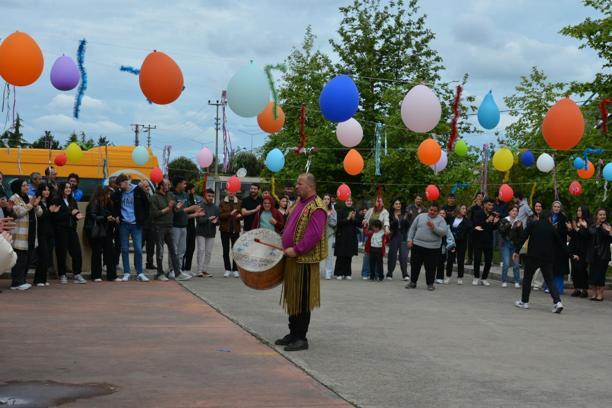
[(306, 185)]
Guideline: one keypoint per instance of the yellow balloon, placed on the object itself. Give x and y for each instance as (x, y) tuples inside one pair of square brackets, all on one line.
[(503, 159), (74, 152)]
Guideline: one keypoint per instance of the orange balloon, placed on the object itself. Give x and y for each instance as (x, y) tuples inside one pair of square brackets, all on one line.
[(429, 152), (563, 125), (266, 120), (21, 59), (161, 79), (353, 162), (588, 173)]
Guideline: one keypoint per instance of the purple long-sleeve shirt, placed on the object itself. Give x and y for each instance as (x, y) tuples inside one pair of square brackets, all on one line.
[(314, 230)]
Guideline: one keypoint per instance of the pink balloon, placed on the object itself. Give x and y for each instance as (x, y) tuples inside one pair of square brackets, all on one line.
[(441, 164), (421, 109), (349, 133), (204, 157)]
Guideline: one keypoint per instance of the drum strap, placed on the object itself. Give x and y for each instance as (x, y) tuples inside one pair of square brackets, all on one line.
[(293, 287)]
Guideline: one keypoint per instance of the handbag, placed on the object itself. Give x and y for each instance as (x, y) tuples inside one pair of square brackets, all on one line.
[(98, 231)]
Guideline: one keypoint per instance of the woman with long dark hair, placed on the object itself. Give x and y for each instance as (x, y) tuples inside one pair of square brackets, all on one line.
[(65, 217), (99, 227), (283, 208), (25, 238), (330, 229), (45, 235), (398, 227), (601, 233), (580, 242), (561, 264), (460, 227), (346, 239)]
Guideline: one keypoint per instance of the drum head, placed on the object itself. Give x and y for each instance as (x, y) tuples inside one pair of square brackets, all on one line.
[(256, 257)]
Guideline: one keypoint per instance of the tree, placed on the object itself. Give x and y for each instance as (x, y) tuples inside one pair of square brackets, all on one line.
[(248, 161), (13, 137), (182, 166), (103, 141), (81, 140), (47, 141)]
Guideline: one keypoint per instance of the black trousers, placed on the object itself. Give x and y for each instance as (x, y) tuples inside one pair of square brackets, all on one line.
[(479, 249), (423, 256), (580, 276), (45, 256), (470, 248), (226, 238), (117, 244), (343, 266), (20, 270), (441, 266), (376, 264), (531, 266), (190, 249), (149, 241), (103, 247), (298, 323), (459, 255), (67, 241)]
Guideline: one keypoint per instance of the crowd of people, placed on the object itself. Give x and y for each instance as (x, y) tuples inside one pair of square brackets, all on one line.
[(40, 216)]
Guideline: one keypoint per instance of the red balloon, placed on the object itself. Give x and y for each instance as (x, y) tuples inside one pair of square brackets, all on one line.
[(432, 193), (156, 175), (60, 159), (575, 188), (233, 184), (505, 193), (344, 192)]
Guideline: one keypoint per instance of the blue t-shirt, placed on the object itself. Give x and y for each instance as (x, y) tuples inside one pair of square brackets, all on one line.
[(77, 194), (127, 206)]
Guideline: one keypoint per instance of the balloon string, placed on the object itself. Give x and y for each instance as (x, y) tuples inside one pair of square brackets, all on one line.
[(268, 69), (228, 150), (506, 177), (302, 144), (377, 152), (533, 190), (605, 196), (19, 159), (204, 182), (454, 120), (129, 69)]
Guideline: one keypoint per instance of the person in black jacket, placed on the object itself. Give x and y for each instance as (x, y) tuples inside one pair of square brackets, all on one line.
[(484, 221), (475, 211), (544, 243), (99, 228), (45, 236), (580, 242), (206, 230), (561, 264), (398, 227), (346, 238), (601, 233), (131, 207), (65, 215), (461, 227)]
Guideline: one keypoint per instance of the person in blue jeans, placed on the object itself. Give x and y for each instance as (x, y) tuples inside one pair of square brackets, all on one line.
[(510, 230), (131, 205)]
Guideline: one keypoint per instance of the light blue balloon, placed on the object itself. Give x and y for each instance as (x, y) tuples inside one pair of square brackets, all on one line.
[(248, 92), (275, 160), (579, 163), (607, 172), (140, 155), (488, 112)]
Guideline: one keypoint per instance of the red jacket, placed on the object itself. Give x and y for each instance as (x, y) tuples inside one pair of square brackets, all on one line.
[(280, 220), (368, 233)]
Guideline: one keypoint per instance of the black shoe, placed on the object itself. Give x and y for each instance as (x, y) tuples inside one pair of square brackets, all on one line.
[(297, 345), (575, 293), (285, 340), (430, 288), (411, 285), (584, 294)]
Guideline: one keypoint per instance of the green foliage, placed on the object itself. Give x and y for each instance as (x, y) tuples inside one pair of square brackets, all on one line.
[(46, 141), (182, 166), (81, 140), (13, 137), (248, 161)]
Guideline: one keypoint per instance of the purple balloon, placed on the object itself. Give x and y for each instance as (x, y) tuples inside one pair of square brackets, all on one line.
[(65, 74)]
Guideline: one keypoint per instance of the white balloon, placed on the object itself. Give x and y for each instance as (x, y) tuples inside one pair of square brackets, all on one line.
[(441, 164), (421, 109), (349, 133), (545, 163)]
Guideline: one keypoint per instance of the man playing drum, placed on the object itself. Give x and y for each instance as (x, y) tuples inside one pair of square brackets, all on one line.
[(305, 245)]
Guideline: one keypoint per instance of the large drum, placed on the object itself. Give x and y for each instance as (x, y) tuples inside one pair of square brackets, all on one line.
[(261, 266)]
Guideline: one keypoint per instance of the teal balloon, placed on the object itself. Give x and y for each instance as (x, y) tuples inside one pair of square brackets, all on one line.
[(488, 112), (579, 163), (140, 155), (248, 92), (275, 160), (607, 172)]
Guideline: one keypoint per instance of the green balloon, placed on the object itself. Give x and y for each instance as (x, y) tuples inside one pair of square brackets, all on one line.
[(461, 148)]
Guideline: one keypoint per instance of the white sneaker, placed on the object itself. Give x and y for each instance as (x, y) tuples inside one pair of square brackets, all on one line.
[(517, 285), (142, 277), (406, 278), (459, 281), (439, 281), (47, 284), (162, 278), (557, 308), (63, 279), (79, 279), (118, 280), (504, 285), (126, 277), (236, 274), (98, 280), (171, 275), (227, 274), (365, 278), (446, 280), (40, 285), (189, 273), (25, 286), (338, 277), (389, 278), (484, 282), (351, 278), (475, 281), (521, 305), (327, 278), (183, 277), (535, 287)]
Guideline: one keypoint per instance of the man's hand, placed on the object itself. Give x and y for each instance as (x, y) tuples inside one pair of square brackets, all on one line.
[(36, 201), (179, 205), (430, 224), (576, 257), (7, 236), (54, 208), (171, 204), (233, 212), (7, 224), (568, 225), (110, 218), (290, 252), (79, 216), (478, 228), (75, 212), (212, 219), (515, 257), (409, 244)]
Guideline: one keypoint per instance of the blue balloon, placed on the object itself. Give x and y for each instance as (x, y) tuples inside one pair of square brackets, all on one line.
[(488, 112), (527, 159), (275, 160), (607, 172), (579, 163), (339, 99)]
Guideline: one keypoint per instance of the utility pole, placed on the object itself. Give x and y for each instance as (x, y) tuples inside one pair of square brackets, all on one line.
[(217, 104), (136, 133), (148, 130)]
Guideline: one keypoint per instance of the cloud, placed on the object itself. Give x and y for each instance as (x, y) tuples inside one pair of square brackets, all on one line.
[(65, 102), (64, 124)]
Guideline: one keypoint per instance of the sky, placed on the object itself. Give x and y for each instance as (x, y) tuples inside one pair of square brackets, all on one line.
[(495, 42)]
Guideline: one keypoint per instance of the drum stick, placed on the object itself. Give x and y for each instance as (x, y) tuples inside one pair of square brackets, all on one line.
[(259, 241)]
